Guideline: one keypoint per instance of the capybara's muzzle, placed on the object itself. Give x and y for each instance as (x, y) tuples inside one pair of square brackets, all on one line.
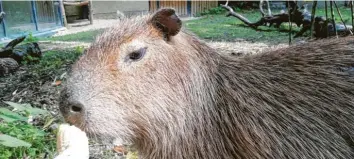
[(72, 110)]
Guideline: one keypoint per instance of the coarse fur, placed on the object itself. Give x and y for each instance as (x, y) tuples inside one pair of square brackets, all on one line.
[(183, 100)]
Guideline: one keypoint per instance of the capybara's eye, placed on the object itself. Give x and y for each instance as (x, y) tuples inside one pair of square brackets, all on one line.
[(137, 55)]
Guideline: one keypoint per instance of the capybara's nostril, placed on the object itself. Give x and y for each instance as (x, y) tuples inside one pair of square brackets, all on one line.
[(70, 107), (76, 108), (72, 110)]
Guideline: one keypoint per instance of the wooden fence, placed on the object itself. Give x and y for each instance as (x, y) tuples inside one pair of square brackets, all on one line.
[(46, 11), (184, 8)]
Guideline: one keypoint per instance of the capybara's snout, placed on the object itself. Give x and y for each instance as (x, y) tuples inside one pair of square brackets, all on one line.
[(72, 110)]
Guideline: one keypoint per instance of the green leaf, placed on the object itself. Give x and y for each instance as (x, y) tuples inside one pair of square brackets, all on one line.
[(7, 119), (12, 115), (10, 141), (19, 107), (36, 111), (27, 108)]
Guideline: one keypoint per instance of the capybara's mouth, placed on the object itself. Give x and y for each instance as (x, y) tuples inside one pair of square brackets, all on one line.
[(77, 122), (96, 133)]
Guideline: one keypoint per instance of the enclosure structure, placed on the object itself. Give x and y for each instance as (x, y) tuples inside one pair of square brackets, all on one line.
[(184, 7), (24, 17), (109, 9)]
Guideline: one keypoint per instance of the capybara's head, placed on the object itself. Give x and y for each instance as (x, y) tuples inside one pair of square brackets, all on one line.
[(139, 81)]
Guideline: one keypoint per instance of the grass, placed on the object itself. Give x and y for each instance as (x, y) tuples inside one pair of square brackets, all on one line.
[(55, 60), (221, 28), (19, 138), (344, 11), (42, 142)]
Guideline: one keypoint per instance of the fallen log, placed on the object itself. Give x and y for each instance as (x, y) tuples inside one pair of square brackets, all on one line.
[(28, 49), (13, 54), (7, 50), (302, 18)]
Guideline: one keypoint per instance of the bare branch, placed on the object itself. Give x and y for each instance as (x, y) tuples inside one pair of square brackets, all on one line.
[(314, 6), (227, 3), (326, 9), (261, 7), (239, 16), (332, 15), (341, 18), (290, 24), (269, 11)]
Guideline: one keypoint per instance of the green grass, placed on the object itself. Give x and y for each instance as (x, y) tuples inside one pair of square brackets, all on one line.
[(20, 139), (86, 36), (53, 63), (222, 28), (344, 11), (42, 142)]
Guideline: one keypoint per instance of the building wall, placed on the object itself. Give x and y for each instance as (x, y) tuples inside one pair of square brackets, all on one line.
[(108, 9), (185, 8)]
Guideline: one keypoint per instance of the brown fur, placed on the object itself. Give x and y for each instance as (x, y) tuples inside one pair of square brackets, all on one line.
[(183, 100)]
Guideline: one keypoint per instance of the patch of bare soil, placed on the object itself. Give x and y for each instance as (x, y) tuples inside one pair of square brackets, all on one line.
[(38, 86)]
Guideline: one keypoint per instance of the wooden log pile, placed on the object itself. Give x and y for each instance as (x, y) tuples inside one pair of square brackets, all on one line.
[(11, 56), (322, 27)]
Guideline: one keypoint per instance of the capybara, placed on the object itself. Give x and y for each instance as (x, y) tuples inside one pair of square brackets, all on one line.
[(148, 82)]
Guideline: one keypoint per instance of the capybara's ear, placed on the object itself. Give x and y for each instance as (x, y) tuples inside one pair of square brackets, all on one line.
[(167, 22)]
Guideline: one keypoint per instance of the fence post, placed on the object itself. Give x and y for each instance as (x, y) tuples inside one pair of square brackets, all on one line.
[(62, 14), (3, 20), (189, 8), (352, 13), (34, 12), (91, 11)]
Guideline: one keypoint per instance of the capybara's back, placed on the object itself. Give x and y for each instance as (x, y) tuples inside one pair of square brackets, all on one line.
[(161, 89)]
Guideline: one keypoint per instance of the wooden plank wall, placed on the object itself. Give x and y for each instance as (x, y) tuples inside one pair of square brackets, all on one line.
[(45, 11), (197, 6)]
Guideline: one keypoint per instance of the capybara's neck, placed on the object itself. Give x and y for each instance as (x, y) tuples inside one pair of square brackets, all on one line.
[(264, 106), (208, 127), (286, 103)]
